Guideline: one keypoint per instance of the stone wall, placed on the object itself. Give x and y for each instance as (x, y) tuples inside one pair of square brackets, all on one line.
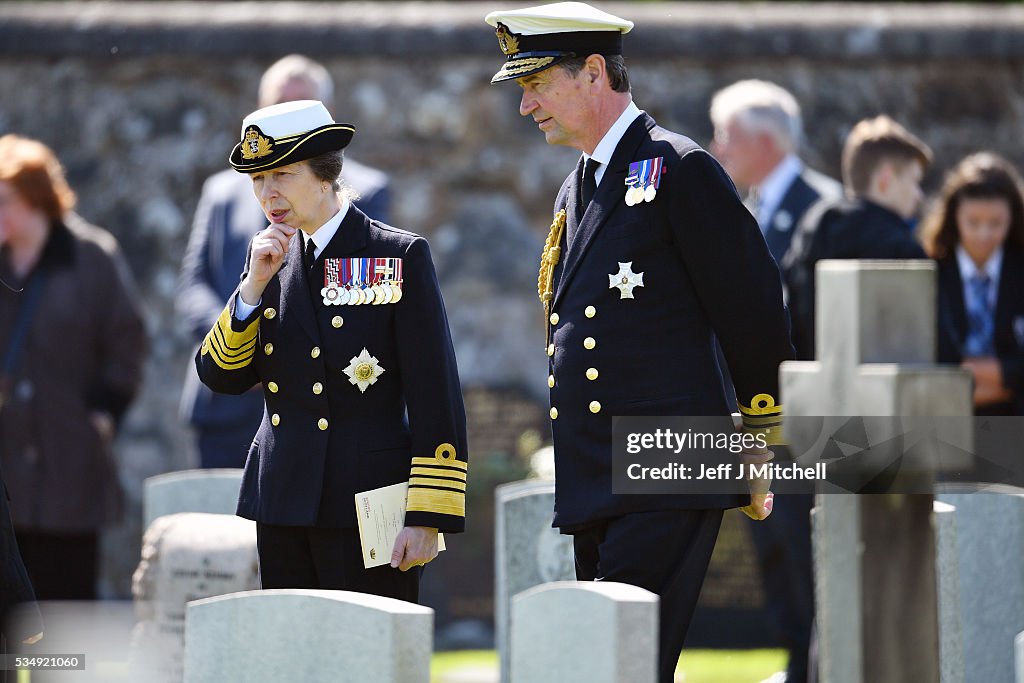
[(143, 101)]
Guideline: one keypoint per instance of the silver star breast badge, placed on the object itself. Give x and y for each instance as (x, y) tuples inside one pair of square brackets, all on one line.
[(625, 280), (363, 370)]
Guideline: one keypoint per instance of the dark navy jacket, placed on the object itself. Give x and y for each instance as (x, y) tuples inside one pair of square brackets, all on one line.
[(226, 218), (806, 189), (706, 272), (322, 440), (844, 229)]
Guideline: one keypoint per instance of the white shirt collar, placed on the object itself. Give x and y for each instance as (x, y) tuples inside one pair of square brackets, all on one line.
[(773, 188), (604, 150), (323, 235), (969, 269)]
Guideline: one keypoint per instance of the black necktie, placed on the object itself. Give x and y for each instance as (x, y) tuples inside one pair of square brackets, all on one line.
[(310, 253), (589, 185)]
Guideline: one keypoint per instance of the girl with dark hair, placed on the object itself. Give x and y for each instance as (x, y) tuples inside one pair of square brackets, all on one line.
[(976, 233)]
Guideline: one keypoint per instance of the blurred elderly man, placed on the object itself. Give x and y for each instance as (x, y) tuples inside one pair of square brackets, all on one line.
[(227, 217), (758, 129)]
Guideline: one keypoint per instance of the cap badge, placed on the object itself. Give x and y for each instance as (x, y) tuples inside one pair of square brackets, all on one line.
[(507, 40), (255, 145)]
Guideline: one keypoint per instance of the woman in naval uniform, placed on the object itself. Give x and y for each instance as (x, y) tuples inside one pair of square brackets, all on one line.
[(340, 318)]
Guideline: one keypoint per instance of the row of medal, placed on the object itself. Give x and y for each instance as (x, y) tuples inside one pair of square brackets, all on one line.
[(642, 180), (358, 281)]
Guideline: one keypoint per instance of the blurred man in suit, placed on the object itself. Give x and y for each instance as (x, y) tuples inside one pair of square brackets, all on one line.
[(650, 257), (758, 130), (226, 218)]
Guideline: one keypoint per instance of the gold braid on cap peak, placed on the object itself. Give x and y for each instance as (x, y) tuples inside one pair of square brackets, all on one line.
[(548, 260)]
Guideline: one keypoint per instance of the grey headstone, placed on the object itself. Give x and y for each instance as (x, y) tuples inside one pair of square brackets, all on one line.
[(527, 550), (584, 632), (874, 349), (989, 548), (951, 652), (214, 491), (1018, 646), (185, 556), (313, 636)]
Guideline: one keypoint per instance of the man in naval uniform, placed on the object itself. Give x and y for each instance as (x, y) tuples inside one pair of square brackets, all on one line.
[(340, 319), (651, 257)]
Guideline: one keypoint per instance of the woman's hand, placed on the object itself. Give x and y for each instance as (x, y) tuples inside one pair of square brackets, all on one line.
[(414, 547), (269, 248), (988, 380)]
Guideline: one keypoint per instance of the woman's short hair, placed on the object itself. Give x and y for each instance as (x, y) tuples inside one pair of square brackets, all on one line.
[(984, 175), (36, 175)]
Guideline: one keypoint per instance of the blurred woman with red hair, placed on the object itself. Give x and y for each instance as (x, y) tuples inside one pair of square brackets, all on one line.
[(72, 345)]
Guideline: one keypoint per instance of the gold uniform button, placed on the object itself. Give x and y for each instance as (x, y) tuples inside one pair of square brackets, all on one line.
[(554, 318), (268, 348), (315, 352), (551, 349), (318, 388), (589, 343), (595, 407), (323, 424), (590, 311), (553, 413), (275, 419), (337, 321), (269, 313), (551, 381), (591, 374), (272, 386)]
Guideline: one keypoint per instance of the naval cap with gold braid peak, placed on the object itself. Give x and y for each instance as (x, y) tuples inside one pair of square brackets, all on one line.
[(286, 133), (537, 38)]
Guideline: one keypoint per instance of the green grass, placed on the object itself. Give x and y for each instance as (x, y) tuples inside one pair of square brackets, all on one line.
[(696, 666)]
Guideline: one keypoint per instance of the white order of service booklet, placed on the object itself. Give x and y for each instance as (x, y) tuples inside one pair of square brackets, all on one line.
[(381, 516)]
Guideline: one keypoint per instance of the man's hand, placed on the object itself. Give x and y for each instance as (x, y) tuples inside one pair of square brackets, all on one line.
[(414, 547), (761, 498), (269, 248), (760, 505)]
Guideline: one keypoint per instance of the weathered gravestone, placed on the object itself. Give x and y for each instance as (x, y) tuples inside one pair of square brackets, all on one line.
[(1019, 647), (213, 490), (989, 590), (313, 636), (185, 556), (947, 573), (527, 550), (875, 554), (584, 632)]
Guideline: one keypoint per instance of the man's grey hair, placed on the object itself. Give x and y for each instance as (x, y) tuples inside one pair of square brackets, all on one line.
[(294, 67), (760, 106)]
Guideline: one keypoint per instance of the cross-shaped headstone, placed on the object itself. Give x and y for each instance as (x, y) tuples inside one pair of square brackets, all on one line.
[(875, 333)]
